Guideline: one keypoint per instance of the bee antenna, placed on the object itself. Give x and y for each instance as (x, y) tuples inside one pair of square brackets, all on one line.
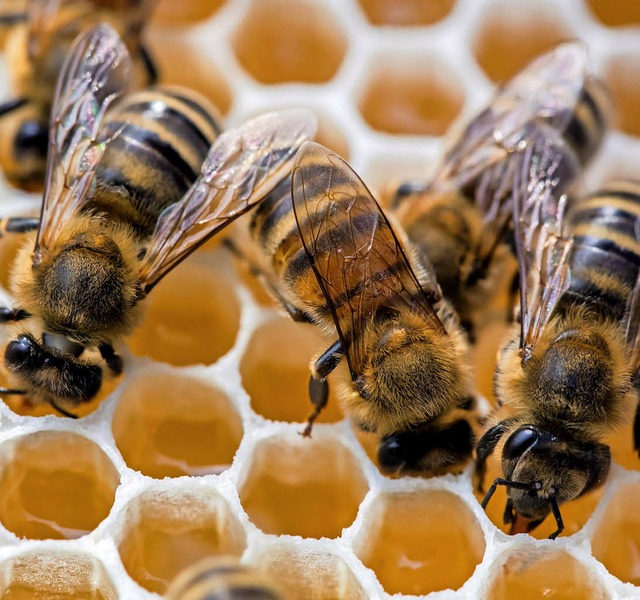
[(507, 483), (62, 411), (12, 392)]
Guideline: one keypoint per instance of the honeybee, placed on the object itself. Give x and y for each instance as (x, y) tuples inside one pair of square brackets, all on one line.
[(222, 579), (35, 53), (122, 206), (459, 220), (567, 376), (331, 257)]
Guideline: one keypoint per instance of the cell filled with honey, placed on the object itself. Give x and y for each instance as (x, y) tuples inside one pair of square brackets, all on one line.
[(165, 532), (615, 13), (168, 425), (275, 371), (54, 484), (306, 573), (410, 94), (510, 35), (304, 41), (300, 486), (420, 542), (621, 76), (192, 316), (59, 575), (187, 12), (406, 12), (9, 246), (534, 573)]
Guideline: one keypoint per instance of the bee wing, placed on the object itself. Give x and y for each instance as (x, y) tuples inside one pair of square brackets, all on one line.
[(94, 73), (242, 167), (547, 89), (633, 319), (542, 243), (357, 259)]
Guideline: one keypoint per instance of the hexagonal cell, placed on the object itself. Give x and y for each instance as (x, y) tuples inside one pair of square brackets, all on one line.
[(192, 317), (167, 425), (616, 540), (511, 35), (165, 532), (622, 447), (574, 514), (187, 12), (171, 51), (305, 43), (532, 574), (301, 486), (420, 542), (9, 246), (55, 576), (275, 371), (621, 75), (406, 12), (410, 95), (310, 574), (615, 13), (331, 136), (54, 484)]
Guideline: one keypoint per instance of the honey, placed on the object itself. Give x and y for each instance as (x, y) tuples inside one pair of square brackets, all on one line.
[(304, 42), (171, 425), (406, 12), (54, 484), (191, 317), (164, 534), (410, 95), (275, 371), (420, 542), (621, 76), (306, 487), (615, 13), (9, 246), (534, 574), (167, 12)]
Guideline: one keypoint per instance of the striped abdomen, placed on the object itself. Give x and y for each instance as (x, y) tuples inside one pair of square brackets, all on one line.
[(606, 253), (165, 134)]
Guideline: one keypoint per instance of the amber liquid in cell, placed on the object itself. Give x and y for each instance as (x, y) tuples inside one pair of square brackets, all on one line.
[(186, 12), (616, 12), (9, 246), (423, 544), (406, 12), (19, 591), (622, 77)]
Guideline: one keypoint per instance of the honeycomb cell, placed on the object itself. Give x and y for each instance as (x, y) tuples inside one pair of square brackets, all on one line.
[(406, 12), (172, 51), (622, 444), (534, 574), (192, 316), (165, 533), (615, 13), (9, 246), (187, 12), (282, 41), (168, 425), (410, 95), (55, 576), (420, 542), (275, 371), (310, 574), (510, 35), (621, 76), (574, 514), (616, 540), (54, 484), (301, 486), (332, 137)]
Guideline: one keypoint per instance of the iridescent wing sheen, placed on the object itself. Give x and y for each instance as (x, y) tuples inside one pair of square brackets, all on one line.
[(542, 243), (357, 259), (96, 71), (546, 90), (242, 167)]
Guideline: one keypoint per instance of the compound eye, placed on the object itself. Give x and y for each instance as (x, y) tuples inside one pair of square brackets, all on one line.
[(519, 442), (32, 139), (391, 454), (18, 350)]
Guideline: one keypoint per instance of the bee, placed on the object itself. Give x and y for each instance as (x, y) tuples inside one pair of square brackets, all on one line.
[(123, 205), (459, 220), (222, 579), (332, 258), (567, 375), (36, 49)]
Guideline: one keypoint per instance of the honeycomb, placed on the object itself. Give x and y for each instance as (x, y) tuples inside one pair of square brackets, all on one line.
[(195, 450)]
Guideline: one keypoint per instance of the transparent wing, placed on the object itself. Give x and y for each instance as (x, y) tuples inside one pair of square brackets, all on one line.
[(542, 243), (633, 319), (95, 72), (242, 167), (547, 89), (358, 261)]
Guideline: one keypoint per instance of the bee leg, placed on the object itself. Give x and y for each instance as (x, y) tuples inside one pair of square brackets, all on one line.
[(558, 517), (486, 445), (114, 362), (62, 411), (318, 386), (11, 105), (8, 315), (18, 225), (149, 64), (12, 392)]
